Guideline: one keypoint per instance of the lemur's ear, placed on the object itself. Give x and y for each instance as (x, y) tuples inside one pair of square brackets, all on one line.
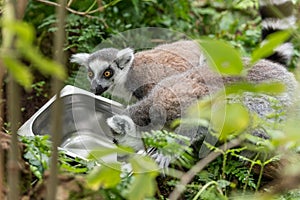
[(124, 58), (80, 58)]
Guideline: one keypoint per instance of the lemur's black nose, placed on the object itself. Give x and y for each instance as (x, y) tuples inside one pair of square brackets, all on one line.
[(99, 90)]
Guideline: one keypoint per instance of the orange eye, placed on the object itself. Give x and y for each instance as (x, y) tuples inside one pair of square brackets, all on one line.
[(107, 73), (90, 74)]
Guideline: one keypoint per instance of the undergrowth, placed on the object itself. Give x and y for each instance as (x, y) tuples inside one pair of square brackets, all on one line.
[(229, 176), (233, 174)]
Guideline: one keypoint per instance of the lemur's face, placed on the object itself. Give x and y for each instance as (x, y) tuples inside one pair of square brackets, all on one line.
[(106, 67)]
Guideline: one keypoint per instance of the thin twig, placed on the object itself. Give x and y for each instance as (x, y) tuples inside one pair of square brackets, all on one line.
[(187, 177), (100, 3), (2, 101), (21, 7), (69, 3), (99, 9), (56, 113), (1, 172), (13, 99), (86, 14), (13, 167), (2, 73)]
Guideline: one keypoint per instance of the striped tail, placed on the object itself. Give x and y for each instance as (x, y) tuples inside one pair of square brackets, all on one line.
[(278, 15)]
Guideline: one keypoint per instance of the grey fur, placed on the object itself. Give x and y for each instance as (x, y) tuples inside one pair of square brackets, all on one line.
[(171, 98)]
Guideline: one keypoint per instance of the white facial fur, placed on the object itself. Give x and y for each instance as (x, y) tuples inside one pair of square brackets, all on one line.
[(118, 61)]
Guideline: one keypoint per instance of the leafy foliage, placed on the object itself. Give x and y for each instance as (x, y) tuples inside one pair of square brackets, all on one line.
[(108, 175), (21, 36), (236, 22), (170, 144), (38, 152)]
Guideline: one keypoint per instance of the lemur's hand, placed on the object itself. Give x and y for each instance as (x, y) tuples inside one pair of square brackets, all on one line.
[(125, 134), (124, 131), (121, 125)]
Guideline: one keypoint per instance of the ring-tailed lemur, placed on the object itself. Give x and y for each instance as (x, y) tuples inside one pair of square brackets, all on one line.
[(124, 73), (169, 98)]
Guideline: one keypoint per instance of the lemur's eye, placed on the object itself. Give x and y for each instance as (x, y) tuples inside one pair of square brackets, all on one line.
[(90, 74), (108, 73)]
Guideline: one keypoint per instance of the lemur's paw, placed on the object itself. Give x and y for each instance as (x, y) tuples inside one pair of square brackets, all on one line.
[(121, 124), (162, 160)]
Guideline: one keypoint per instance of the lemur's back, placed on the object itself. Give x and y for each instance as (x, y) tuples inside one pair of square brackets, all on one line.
[(170, 98), (151, 66)]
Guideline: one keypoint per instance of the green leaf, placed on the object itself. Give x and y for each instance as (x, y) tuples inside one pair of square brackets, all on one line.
[(101, 152), (43, 64), (145, 171), (143, 164), (223, 183), (23, 30), (230, 120), (202, 109), (143, 186), (268, 46), (106, 176), (267, 88), (136, 7), (19, 71), (223, 57)]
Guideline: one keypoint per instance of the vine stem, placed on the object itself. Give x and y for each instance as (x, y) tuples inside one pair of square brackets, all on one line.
[(204, 188), (187, 177)]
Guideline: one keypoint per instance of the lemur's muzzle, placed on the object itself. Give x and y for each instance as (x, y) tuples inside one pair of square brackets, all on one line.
[(99, 90)]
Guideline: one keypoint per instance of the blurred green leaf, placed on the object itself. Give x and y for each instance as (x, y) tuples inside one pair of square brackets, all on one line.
[(145, 171), (268, 46), (268, 88), (223, 57), (143, 186), (203, 108), (136, 6), (143, 164), (290, 134), (43, 64), (101, 152), (225, 119), (230, 121), (20, 72), (24, 35), (106, 176), (23, 30)]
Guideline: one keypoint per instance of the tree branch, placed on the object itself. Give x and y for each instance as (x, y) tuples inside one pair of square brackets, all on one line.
[(99, 9), (187, 177)]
